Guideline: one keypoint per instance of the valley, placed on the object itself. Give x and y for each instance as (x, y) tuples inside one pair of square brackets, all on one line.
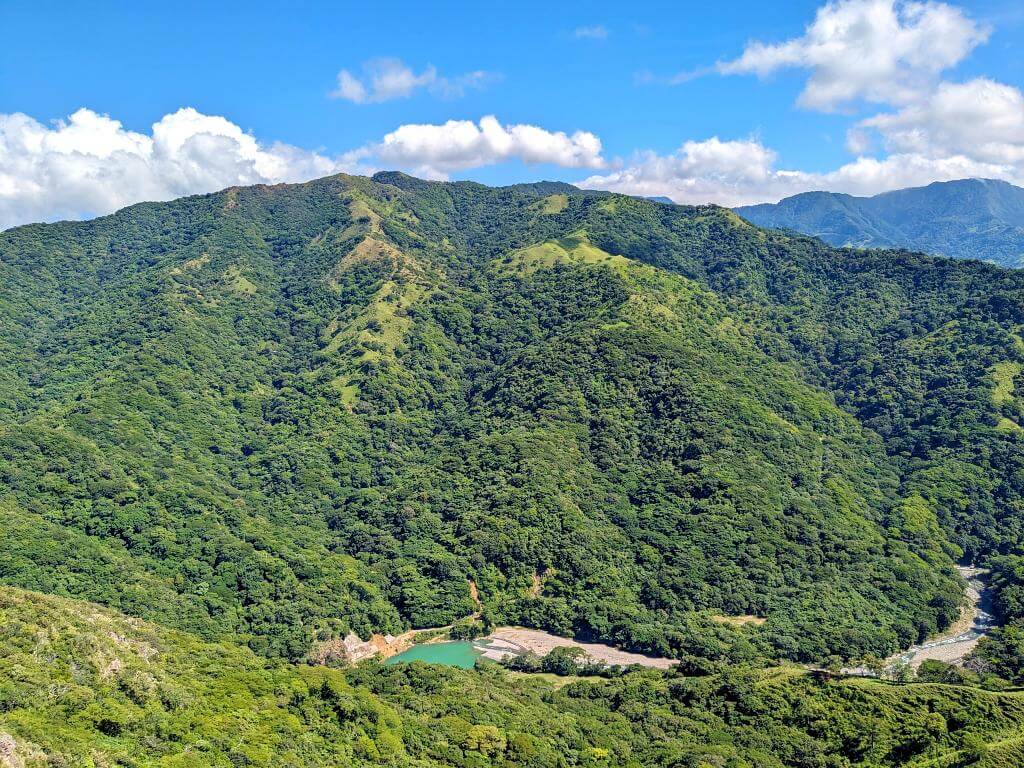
[(952, 646), (961, 637), (555, 385)]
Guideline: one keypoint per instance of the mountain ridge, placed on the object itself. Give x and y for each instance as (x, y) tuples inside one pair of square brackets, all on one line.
[(253, 422), (967, 218)]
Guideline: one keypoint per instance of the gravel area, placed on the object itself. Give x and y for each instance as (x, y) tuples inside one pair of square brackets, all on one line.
[(514, 641), (963, 635)]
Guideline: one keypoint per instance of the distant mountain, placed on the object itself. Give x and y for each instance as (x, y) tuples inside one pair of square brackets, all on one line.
[(966, 219)]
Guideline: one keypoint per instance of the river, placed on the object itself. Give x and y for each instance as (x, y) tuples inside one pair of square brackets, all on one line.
[(963, 635)]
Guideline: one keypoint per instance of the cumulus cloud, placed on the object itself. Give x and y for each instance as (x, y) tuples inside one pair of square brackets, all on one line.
[(981, 119), (433, 151), (726, 172), (857, 53), (386, 79), (883, 51), (744, 171), (90, 164), (597, 32)]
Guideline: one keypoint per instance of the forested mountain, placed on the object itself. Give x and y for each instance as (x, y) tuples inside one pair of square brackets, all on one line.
[(272, 416), (966, 219), (292, 412)]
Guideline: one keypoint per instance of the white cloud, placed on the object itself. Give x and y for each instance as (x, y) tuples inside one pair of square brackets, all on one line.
[(91, 165), (981, 119), (349, 88), (742, 172), (597, 32), (883, 51), (725, 172), (386, 79), (434, 151), (869, 175), (857, 52)]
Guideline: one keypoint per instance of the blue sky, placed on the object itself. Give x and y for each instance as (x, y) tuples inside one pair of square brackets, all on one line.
[(766, 108)]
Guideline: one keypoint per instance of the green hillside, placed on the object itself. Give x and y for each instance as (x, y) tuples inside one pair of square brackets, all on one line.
[(250, 422), (286, 413), (83, 686), (313, 409)]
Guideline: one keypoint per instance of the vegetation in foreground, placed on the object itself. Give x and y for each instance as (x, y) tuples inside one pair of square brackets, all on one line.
[(83, 686)]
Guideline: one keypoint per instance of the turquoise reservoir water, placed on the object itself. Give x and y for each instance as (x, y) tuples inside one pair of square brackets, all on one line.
[(455, 654)]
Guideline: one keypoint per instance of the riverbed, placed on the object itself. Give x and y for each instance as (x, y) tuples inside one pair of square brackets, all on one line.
[(961, 637), (516, 641), (951, 646)]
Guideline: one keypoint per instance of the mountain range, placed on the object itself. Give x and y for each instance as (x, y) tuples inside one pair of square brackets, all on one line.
[(237, 427), (966, 219)]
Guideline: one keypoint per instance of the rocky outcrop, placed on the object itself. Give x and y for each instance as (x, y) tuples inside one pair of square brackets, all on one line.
[(352, 649)]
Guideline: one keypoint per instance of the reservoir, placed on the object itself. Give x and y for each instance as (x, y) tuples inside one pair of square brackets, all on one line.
[(454, 654)]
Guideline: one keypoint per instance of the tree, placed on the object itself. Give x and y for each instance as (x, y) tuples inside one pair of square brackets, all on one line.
[(485, 739), (901, 671), (875, 665)]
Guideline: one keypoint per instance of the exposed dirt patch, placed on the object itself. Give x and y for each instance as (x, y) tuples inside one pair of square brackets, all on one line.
[(352, 649), (740, 621), (514, 641), (475, 597), (9, 752), (536, 586)]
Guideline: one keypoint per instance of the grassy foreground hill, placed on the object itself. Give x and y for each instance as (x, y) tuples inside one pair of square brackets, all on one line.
[(84, 686), (280, 414)]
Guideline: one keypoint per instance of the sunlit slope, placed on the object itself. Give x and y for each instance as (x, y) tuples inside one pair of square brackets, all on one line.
[(313, 409)]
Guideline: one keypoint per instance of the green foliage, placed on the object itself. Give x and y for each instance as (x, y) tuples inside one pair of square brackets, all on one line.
[(290, 413), (84, 686), (1001, 652), (273, 416)]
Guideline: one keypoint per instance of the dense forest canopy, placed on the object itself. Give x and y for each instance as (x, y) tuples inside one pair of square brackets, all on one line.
[(287, 413)]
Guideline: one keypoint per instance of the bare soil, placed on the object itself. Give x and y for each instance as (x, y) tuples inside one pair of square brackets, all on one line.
[(514, 641)]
